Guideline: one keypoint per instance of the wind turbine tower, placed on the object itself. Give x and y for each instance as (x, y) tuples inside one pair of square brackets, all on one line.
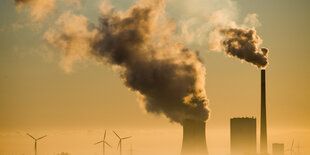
[(131, 150), (35, 142), (292, 150), (120, 142), (104, 143)]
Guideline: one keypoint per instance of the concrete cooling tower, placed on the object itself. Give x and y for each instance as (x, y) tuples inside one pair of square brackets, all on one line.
[(194, 138)]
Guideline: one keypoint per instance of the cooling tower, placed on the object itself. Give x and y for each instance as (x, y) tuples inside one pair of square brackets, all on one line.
[(263, 125), (194, 138)]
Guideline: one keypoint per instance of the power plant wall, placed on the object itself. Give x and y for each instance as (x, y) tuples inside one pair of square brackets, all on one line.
[(194, 138), (243, 136)]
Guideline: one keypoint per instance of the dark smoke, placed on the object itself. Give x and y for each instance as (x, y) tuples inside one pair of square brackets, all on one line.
[(168, 77), (243, 44), (21, 3)]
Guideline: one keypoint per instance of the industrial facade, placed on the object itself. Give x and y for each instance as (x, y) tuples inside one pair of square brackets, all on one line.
[(243, 136)]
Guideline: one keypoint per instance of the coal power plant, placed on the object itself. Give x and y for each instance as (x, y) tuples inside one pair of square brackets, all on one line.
[(243, 136), (243, 140), (243, 132), (194, 138)]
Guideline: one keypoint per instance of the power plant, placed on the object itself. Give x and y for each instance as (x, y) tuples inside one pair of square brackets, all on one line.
[(263, 119), (194, 138), (243, 130), (243, 136)]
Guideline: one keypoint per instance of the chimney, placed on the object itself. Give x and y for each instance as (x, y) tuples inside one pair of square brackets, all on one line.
[(194, 138), (263, 125)]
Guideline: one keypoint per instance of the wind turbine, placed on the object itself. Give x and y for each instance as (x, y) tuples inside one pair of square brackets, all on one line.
[(291, 149), (131, 150), (120, 142), (103, 143), (35, 142), (298, 149)]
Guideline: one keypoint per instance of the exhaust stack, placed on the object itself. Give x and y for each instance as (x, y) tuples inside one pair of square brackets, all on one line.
[(194, 138), (263, 125)]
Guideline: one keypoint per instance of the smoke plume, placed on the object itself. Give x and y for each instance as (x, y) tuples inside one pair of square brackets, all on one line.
[(20, 3), (168, 77), (70, 33), (40, 9), (241, 43)]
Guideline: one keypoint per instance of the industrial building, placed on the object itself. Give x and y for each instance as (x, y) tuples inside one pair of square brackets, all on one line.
[(243, 136)]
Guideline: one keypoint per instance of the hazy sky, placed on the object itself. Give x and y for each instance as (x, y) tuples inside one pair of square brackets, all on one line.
[(38, 96)]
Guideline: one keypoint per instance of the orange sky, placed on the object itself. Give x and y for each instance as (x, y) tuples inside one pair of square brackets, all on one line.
[(38, 96)]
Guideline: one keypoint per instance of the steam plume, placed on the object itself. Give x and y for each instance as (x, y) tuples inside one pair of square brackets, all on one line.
[(168, 77), (39, 9), (71, 34), (241, 43)]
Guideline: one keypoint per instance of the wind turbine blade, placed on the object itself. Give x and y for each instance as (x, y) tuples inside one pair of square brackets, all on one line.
[(126, 137), (107, 144), (41, 137), (105, 133), (98, 142), (117, 135), (31, 136)]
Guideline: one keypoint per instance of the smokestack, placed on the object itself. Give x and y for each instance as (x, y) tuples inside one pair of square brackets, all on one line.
[(263, 125), (194, 138)]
